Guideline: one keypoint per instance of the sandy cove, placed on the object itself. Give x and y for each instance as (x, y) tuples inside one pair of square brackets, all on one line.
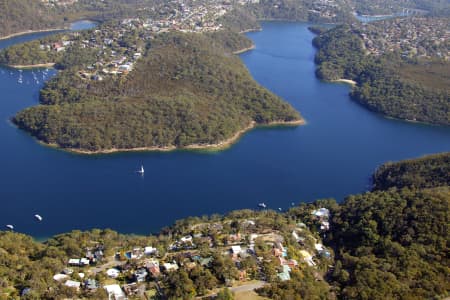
[(348, 81), (250, 30), (244, 50), (217, 146), (46, 65)]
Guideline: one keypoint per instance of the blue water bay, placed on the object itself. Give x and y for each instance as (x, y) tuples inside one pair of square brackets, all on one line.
[(333, 155)]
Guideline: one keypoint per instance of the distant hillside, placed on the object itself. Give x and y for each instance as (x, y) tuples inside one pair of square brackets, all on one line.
[(23, 15), (312, 11), (386, 7), (188, 90)]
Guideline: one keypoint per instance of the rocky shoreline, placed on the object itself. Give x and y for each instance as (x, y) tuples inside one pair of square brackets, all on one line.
[(217, 146)]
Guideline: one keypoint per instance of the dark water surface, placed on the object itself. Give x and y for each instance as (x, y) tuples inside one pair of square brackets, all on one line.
[(332, 156)]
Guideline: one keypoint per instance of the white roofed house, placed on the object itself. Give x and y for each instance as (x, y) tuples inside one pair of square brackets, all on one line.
[(236, 249), (170, 266), (137, 55), (74, 261), (186, 239), (81, 262), (114, 290), (73, 284), (150, 250), (321, 212), (60, 277), (113, 273), (325, 225)]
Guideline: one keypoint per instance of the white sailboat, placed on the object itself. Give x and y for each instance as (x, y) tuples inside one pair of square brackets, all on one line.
[(38, 217), (141, 171), (11, 227)]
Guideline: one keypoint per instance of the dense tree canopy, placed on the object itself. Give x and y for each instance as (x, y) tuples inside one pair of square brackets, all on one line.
[(188, 89), (427, 172), (382, 84), (393, 244), (21, 15)]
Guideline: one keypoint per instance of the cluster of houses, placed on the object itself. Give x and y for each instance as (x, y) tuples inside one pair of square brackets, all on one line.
[(92, 256), (59, 2), (120, 44), (325, 9), (132, 271), (412, 36)]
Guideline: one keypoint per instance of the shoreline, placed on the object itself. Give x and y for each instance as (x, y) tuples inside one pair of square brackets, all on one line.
[(347, 81), (25, 32), (244, 50), (217, 146), (46, 65), (250, 30)]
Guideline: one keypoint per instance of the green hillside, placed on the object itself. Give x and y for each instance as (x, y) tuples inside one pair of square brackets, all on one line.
[(188, 89)]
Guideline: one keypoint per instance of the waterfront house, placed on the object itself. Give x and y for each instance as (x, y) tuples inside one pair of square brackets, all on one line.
[(321, 212)]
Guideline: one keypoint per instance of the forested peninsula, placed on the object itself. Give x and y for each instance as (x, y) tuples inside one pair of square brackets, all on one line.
[(393, 83), (143, 81), (187, 90), (389, 243)]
